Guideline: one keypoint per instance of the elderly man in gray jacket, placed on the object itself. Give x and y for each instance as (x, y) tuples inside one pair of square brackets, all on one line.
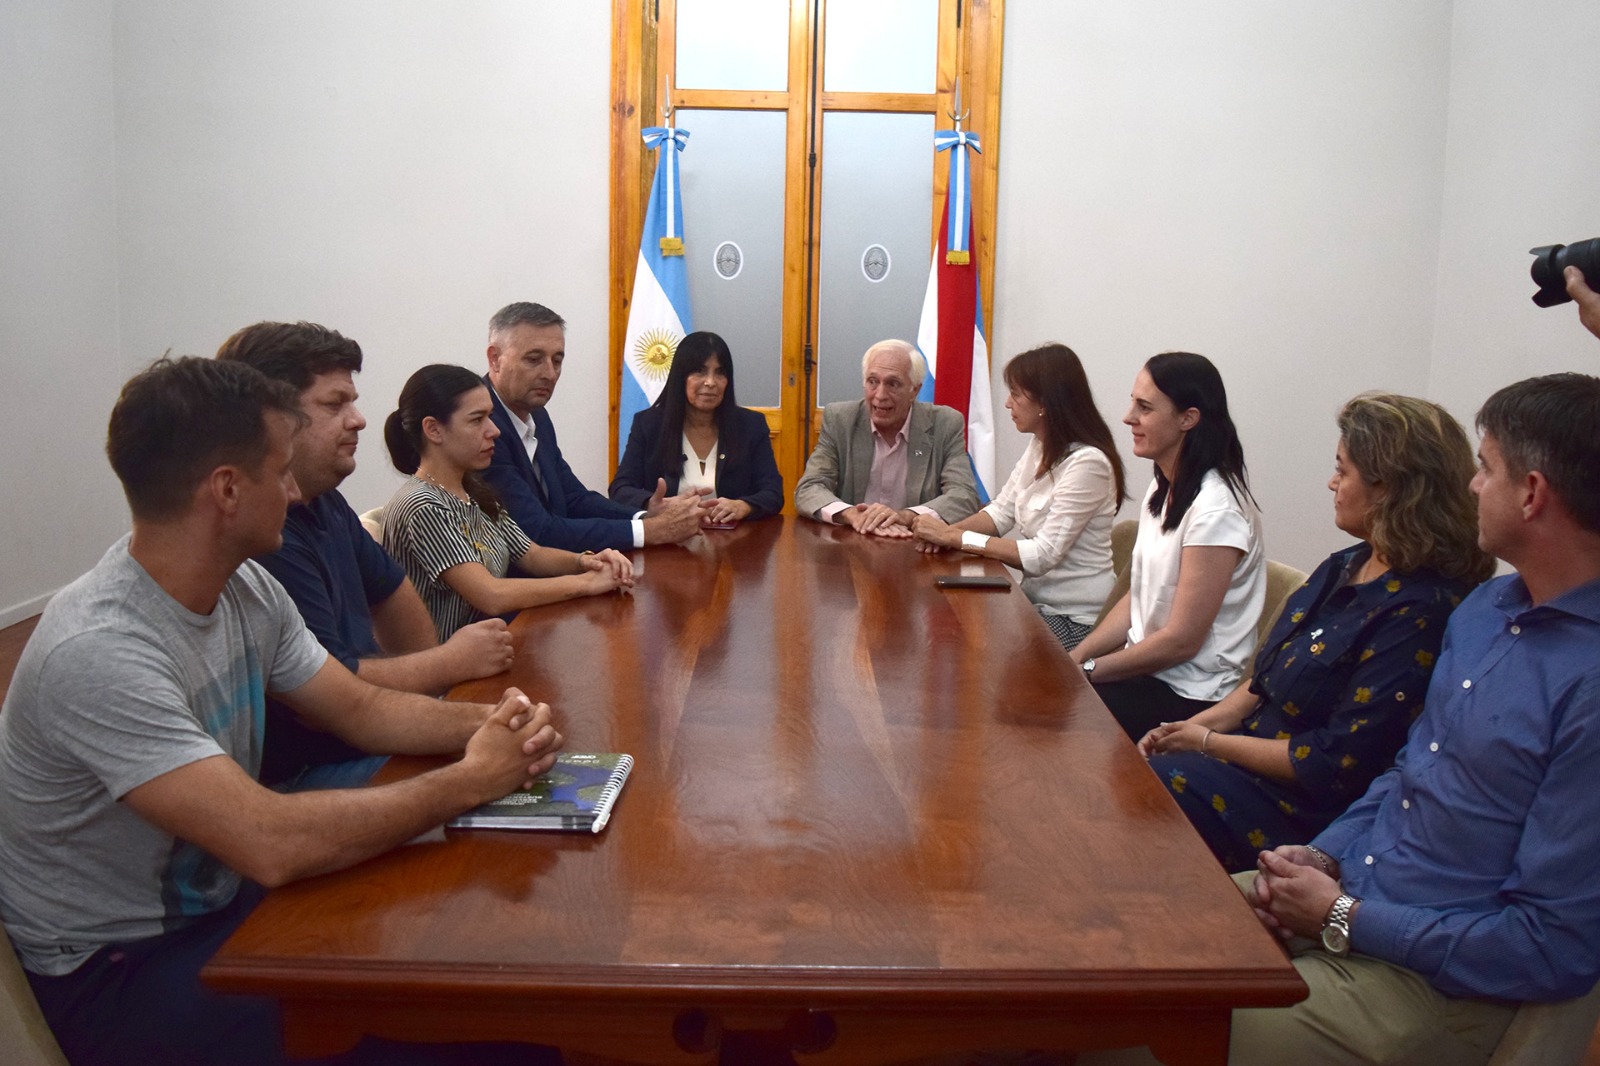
[(884, 459)]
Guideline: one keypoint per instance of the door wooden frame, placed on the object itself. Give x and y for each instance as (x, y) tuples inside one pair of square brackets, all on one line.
[(643, 39)]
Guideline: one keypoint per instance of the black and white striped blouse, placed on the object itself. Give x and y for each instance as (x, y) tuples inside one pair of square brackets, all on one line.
[(430, 530)]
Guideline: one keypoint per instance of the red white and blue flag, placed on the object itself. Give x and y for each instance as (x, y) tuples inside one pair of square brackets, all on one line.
[(950, 335)]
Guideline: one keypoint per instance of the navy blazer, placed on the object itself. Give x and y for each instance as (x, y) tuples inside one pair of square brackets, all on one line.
[(746, 469), (573, 517)]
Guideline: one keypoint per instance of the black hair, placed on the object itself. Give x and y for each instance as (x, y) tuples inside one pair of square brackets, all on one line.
[(1190, 380), (692, 354), (179, 419), (434, 392), (1552, 424)]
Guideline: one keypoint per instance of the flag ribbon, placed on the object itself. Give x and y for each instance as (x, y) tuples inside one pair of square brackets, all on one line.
[(672, 242), (960, 194)]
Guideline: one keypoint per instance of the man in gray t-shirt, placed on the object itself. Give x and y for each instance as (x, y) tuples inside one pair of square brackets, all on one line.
[(119, 685), (132, 733)]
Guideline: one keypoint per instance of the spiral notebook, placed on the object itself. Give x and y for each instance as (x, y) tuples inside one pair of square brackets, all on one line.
[(576, 794)]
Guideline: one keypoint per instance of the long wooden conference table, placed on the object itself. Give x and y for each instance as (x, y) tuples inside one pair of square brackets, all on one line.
[(871, 819)]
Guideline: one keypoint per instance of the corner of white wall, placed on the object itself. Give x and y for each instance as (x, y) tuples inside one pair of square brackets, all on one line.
[(1255, 182), (60, 362), (1522, 166)]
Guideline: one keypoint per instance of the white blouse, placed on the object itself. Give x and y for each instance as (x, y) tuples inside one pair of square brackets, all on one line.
[(693, 476), (1063, 529), (1215, 518)]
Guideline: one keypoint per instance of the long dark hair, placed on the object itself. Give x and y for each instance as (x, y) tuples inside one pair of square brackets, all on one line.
[(1189, 380), (434, 392), (1053, 377), (693, 353)]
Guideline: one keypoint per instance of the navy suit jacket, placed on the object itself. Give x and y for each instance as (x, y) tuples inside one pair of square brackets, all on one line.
[(572, 516), (746, 469)]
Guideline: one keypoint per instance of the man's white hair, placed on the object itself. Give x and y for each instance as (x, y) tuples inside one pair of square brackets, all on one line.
[(919, 365)]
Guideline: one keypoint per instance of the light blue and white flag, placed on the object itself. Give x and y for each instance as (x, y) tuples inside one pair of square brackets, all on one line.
[(951, 334), (658, 312)]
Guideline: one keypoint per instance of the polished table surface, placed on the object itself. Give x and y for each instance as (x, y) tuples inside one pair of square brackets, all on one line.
[(870, 819)]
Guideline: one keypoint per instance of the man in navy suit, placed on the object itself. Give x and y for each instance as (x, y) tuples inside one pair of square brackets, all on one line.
[(527, 343)]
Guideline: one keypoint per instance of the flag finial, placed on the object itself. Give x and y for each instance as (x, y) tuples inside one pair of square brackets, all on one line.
[(957, 115)]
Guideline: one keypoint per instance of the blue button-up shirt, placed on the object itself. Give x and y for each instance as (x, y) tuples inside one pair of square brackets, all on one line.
[(1477, 858)]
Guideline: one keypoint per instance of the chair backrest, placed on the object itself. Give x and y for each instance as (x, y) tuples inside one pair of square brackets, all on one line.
[(1549, 1034), (372, 522), (1123, 535), (25, 1039), (1282, 579)]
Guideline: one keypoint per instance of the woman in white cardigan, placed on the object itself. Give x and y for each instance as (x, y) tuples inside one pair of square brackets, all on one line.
[(1061, 498)]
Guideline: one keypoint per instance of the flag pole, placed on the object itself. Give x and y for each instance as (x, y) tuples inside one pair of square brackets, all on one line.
[(950, 334)]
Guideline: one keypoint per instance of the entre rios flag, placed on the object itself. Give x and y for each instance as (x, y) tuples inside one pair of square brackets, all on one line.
[(950, 335), (658, 313)]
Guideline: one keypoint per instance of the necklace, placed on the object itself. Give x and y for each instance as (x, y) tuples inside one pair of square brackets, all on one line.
[(461, 497), (468, 518)]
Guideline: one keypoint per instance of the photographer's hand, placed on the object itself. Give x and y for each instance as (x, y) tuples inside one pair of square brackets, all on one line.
[(1587, 299)]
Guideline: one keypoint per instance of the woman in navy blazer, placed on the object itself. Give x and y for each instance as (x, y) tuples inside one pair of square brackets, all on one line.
[(697, 436)]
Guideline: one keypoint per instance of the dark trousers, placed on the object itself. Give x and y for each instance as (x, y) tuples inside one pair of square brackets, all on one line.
[(1139, 704), (142, 1003)]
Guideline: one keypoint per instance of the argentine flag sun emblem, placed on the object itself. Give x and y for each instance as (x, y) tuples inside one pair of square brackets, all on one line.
[(653, 351)]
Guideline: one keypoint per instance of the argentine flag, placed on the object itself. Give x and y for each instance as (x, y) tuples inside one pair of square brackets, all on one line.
[(658, 313), (950, 335)]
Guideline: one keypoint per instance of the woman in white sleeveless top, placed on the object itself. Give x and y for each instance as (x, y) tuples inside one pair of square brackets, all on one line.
[(1183, 636)]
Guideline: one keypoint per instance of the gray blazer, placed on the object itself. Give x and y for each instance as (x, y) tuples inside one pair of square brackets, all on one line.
[(938, 472)]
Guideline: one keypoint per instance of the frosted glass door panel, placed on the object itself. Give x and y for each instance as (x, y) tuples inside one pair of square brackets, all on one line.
[(733, 44), (877, 197), (732, 174), (881, 46)]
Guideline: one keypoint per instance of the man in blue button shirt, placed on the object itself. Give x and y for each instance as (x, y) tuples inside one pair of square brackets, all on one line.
[(1467, 879), (354, 598)]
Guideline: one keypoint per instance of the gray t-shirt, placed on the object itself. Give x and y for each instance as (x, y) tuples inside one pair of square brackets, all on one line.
[(119, 685)]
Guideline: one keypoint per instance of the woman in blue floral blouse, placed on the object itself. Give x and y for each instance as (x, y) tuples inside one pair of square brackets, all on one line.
[(1345, 669)]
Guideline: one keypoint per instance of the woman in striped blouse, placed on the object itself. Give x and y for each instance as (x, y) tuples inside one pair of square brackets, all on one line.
[(448, 528)]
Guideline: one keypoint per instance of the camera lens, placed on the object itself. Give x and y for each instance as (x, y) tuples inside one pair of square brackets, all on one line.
[(1550, 263)]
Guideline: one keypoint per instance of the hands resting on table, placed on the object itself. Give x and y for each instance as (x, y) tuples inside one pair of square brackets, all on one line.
[(878, 520), (517, 742)]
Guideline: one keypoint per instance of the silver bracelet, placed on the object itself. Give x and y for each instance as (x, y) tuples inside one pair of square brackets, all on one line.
[(1206, 740), (1321, 857)]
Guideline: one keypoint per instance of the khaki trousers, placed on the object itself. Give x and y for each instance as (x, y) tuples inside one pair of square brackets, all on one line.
[(1363, 1010)]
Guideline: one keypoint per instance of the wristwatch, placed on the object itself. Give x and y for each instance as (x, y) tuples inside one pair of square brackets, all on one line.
[(1336, 926), (1088, 668)]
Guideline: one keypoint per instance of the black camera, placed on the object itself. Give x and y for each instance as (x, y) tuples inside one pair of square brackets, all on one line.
[(1550, 261)]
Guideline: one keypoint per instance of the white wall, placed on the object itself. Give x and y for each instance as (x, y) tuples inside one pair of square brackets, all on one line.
[(59, 366), (1522, 168), (1255, 181), (1322, 198), (395, 171)]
